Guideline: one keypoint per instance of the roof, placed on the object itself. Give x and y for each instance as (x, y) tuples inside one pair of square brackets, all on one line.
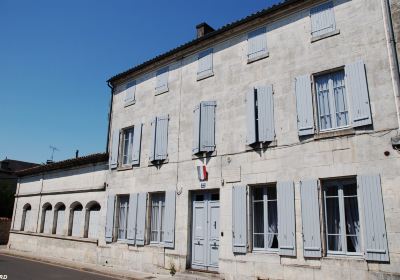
[(74, 162), (10, 165), (210, 35)]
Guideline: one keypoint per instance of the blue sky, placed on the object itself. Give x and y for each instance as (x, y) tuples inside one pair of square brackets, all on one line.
[(56, 56)]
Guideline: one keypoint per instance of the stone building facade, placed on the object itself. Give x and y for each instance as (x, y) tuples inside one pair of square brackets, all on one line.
[(262, 150)]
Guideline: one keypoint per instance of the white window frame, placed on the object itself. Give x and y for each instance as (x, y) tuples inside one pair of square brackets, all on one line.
[(265, 202), (332, 104), (340, 184), (117, 218), (127, 153), (159, 198)]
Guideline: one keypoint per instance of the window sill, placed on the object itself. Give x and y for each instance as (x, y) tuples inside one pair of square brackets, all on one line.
[(334, 133), (161, 90), (261, 145), (54, 236), (326, 35), (201, 155), (345, 257), (259, 57), (124, 168), (265, 252), (204, 75), (158, 162), (129, 103)]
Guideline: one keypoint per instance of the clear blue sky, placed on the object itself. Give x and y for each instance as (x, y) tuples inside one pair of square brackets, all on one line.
[(55, 58)]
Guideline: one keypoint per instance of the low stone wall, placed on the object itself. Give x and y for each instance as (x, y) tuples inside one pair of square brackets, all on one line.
[(5, 225)]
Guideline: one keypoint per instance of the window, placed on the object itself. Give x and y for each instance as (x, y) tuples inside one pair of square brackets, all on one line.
[(59, 218), (127, 147), (130, 89), (332, 101), (75, 224), (322, 20), (26, 218), (162, 80), (342, 221), (257, 44), (123, 207), (92, 220), (157, 218), (204, 127), (205, 64), (46, 219), (265, 218), (260, 115), (159, 144)]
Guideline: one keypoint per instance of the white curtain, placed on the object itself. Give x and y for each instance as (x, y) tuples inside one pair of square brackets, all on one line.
[(272, 223)]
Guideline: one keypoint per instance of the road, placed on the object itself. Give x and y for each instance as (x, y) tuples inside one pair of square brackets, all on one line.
[(16, 268)]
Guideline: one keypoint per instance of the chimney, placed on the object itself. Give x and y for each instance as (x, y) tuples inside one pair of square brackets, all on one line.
[(203, 29)]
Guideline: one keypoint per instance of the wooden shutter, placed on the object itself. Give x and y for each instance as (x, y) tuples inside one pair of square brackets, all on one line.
[(137, 139), (196, 130), (205, 60), (305, 118), (357, 89), (322, 19), (286, 219), (141, 218), (251, 136), (257, 43), (265, 106), (114, 148), (239, 219), (161, 138), (310, 219), (162, 80), (110, 218), (130, 92), (132, 210), (207, 126), (375, 237), (153, 140), (169, 221)]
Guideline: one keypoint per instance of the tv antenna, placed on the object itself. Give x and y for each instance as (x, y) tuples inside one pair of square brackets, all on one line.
[(53, 149)]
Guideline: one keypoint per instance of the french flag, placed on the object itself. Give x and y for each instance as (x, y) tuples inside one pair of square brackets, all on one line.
[(202, 173)]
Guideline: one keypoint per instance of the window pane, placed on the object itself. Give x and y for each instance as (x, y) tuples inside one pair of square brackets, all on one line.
[(339, 91), (126, 147), (350, 189), (334, 243), (154, 221), (331, 191), (258, 217), (258, 241), (272, 241), (324, 111), (123, 216), (271, 193), (352, 224), (333, 215), (258, 194)]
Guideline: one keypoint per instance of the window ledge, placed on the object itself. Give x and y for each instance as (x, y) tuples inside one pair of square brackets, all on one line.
[(345, 257), (204, 75), (158, 162), (335, 133), (261, 145), (162, 90), (55, 236), (201, 155), (129, 103), (124, 168), (326, 35), (259, 57)]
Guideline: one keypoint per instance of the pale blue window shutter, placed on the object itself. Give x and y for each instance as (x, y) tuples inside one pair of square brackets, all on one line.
[(357, 88), (257, 44), (251, 136), (161, 147), (286, 219), (169, 221), (153, 139), (110, 218), (137, 139), (375, 238), (239, 219), (205, 66), (322, 19), (114, 148), (162, 80), (130, 92), (132, 210), (196, 130), (207, 126), (265, 106), (141, 218), (310, 219), (305, 118)]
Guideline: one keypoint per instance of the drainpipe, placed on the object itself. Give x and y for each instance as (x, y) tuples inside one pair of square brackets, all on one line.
[(109, 114), (393, 59)]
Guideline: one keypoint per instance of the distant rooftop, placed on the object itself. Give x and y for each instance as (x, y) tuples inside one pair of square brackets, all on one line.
[(11, 166)]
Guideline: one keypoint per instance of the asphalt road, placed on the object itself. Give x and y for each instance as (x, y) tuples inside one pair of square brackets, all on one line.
[(16, 268)]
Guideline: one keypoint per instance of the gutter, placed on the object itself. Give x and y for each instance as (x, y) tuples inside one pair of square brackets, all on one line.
[(393, 58), (109, 113)]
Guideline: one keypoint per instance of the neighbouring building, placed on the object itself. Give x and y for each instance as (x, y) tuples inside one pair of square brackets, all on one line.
[(266, 149)]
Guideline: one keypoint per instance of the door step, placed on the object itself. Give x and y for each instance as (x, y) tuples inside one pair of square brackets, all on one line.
[(195, 274)]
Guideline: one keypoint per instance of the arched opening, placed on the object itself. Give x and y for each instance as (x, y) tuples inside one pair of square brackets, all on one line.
[(92, 219), (26, 221), (46, 226), (59, 218), (75, 220)]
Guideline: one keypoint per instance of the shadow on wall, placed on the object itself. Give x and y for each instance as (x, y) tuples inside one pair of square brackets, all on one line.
[(5, 225)]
